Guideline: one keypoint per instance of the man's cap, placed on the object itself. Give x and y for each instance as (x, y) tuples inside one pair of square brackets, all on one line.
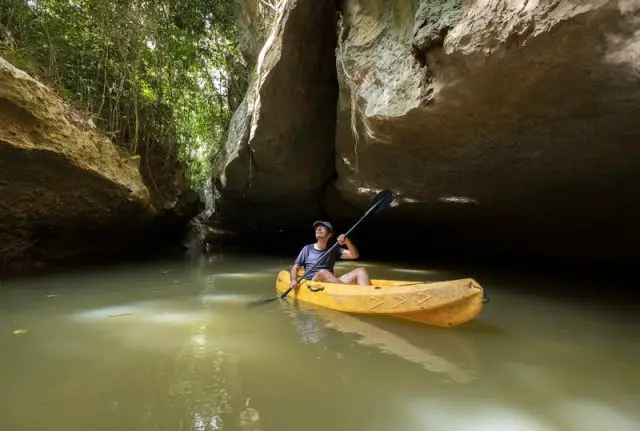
[(324, 223)]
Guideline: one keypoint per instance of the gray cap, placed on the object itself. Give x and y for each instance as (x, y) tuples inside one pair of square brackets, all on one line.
[(324, 223)]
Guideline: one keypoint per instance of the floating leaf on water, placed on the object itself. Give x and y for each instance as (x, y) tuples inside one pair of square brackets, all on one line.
[(20, 331), (249, 419)]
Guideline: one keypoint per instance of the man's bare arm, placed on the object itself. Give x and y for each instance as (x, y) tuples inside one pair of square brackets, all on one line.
[(294, 272), (351, 253)]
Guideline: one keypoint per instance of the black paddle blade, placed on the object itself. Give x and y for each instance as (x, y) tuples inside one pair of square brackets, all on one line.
[(261, 302), (381, 201)]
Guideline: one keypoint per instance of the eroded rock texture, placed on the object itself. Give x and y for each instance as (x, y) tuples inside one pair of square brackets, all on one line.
[(65, 190), (512, 123)]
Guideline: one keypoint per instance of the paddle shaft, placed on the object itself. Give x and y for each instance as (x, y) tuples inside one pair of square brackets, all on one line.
[(286, 292)]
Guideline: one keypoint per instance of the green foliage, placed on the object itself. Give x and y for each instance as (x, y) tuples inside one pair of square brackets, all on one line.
[(157, 75)]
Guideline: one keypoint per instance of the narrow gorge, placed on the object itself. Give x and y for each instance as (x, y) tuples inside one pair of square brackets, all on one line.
[(162, 164), (506, 127)]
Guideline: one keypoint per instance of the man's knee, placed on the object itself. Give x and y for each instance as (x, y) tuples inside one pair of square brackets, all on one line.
[(322, 275), (361, 276)]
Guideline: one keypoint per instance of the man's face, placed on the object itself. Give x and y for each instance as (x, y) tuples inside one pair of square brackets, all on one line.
[(322, 232)]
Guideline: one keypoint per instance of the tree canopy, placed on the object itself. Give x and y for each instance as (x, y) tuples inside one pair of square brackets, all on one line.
[(160, 76)]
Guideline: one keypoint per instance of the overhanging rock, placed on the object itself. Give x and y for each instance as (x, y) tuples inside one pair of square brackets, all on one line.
[(505, 124)]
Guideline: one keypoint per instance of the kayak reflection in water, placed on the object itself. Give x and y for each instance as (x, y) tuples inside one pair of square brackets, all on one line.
[(324, 270)]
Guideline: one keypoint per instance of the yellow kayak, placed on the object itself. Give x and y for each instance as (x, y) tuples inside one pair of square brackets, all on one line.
[(442, 303)]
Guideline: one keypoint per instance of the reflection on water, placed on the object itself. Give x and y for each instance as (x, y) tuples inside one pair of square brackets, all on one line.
[(311, 321), (171, 346)]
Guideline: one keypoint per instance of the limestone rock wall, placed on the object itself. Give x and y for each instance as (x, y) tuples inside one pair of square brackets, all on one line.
[(65, 189), (495, 119), (508, 124), (279, 152)]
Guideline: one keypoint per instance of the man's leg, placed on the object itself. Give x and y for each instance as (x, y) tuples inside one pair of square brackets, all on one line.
[(326, 276), (358, 276)]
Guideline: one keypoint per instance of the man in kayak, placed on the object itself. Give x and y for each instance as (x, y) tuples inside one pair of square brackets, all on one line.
[(311, 253)]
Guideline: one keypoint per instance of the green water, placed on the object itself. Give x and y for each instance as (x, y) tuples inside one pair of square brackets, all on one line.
[(170, 346)]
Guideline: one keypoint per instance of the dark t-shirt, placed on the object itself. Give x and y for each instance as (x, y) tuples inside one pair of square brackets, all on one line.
[(309, 255)]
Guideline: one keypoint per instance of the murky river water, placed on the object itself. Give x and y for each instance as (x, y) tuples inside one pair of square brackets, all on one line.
[(170, 346)]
